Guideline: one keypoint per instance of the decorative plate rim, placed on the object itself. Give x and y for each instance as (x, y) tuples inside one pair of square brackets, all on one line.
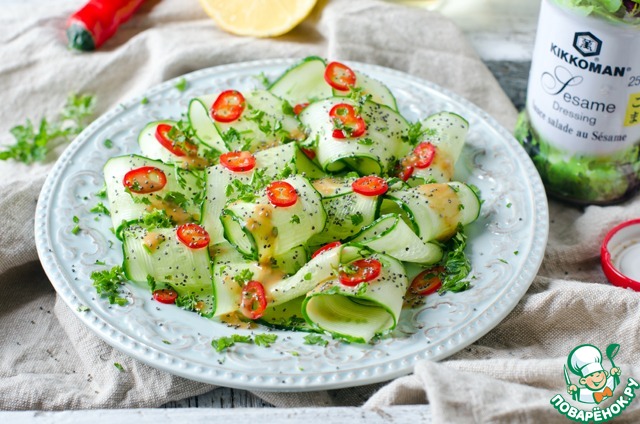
[(322, 380)]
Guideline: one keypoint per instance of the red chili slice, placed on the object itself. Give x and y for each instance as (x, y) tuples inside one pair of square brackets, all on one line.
[(424, 154), (238, 161), (162, 135), (360, 271), (193, 236), (299, 108), (281, 193), (167, 296), (310, 153), (352, 125), (253, 301), (339, 76), (228, 106), (427, 282), (326, 248), (406, 172), (146, 179), (370, 186)]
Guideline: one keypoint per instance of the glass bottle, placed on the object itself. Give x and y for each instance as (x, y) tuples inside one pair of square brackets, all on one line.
[(581, 125)]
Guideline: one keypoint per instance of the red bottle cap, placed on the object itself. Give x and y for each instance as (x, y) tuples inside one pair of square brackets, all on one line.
[(620, 255)]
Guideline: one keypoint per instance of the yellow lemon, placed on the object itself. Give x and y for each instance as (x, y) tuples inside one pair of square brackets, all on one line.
[(258, 18)]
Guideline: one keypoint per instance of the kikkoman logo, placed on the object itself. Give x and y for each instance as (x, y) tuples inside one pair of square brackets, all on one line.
[(595, 385), (587, 44)]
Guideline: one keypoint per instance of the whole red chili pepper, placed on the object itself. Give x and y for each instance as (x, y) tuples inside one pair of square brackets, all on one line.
[(97, 21)]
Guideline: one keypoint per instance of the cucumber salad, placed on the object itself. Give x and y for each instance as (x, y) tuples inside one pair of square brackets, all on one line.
[(311, 205)]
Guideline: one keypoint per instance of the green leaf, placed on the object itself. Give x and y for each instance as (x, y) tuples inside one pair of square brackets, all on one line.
[(107, 283), (314, 339), (356, 219), (181, 85), (265, 340), (156, 219), (119, 367), (187, 302), (33, 145), (243, 277), (456, 265), (100, 208)]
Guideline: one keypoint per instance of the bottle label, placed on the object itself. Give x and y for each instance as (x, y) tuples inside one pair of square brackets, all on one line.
[(584, 87)]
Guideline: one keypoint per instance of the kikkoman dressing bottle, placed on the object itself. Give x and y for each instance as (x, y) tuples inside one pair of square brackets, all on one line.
[(581, 125)]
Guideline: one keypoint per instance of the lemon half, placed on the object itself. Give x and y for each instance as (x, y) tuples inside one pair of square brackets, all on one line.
[(258, 18)]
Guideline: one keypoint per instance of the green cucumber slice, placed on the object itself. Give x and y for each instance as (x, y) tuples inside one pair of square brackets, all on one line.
[(379, 92), (359, 313), (434, 211), (127, 207), (448, 132), (347, 212), (390, 235), (261, 231), (303, 82), (373, 153), (187, 271), (265, 122), (202, 124), (287, 316)]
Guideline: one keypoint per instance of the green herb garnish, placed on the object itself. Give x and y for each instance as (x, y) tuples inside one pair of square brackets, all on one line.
[(181, 85), (107, 284), (314, 339), (34, 143), (100, 208), (265, 340)]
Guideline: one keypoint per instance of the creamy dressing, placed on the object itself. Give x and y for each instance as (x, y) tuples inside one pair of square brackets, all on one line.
[(443, 198), (261, 227), (327, 186), (177, 214), (153, 240)]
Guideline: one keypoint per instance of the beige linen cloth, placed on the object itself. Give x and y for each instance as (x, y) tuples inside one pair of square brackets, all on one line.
[(49, 360)]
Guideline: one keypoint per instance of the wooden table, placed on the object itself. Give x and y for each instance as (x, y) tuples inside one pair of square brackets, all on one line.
[(503, 34)]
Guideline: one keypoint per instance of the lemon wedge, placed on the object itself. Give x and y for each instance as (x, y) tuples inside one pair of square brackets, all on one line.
[(258, 18)]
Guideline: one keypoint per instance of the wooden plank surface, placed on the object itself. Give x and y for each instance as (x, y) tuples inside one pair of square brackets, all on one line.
[(395, 414)]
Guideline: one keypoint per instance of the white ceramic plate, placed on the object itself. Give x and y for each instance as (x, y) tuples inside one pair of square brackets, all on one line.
[(506, 247)]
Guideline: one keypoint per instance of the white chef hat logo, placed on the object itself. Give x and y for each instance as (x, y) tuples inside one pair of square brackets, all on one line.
[(585, 360)]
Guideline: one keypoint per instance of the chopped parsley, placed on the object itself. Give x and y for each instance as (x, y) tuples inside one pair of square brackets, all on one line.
[(181, 85), (176, 198), (188, 302), (151, 282), (144, 101), (308, 276), (295, 219), (223, 343), (83, 308), (119, 366), (243, 277), (108, 143), (107, 283), (100, 208), (456, 265), (265, 340), (156, 219), (33, 143), (356, 219), (315, 339), (102, 193)]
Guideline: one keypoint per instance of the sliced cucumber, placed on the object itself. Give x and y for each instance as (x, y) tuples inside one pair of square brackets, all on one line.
[(271, 163), (127, 207), (347, 212), (303, 82), (447, 131), (265, 122), (390, 235), (149, 145), (434, 211), (161, 255), (202, 124), (373, 153), (359, 313), (261, 231), (379, 92), (287, 316)]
